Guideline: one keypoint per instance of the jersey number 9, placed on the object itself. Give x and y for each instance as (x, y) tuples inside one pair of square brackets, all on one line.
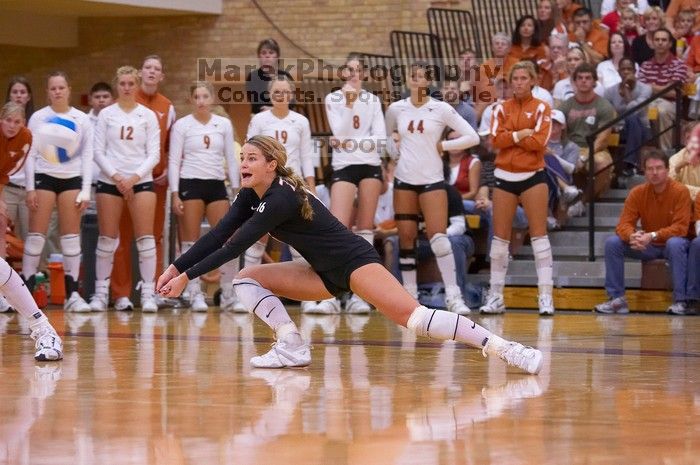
[(207, 141)]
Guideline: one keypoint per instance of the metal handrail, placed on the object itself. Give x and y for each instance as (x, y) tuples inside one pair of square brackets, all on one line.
[(677, 87)]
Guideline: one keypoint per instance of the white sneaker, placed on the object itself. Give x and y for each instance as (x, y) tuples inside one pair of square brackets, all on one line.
[(148, 297), (230, 303), (357, 305), (546, 304), (494, 304), (291, 351), (198, 303), (308, 306), (98, 302), (123, 304), (455, 304), (577, 209), (48, 344), (75, 303), (328, 307), (4, 305), (571, 195), (515, 354)]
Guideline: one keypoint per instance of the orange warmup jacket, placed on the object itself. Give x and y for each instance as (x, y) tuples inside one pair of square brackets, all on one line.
[(509, 117)]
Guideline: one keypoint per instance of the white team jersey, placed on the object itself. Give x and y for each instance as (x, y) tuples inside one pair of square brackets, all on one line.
[(198, 151), (292, 131), (362, 125), (79, 165), (420, 129), (127, 143)]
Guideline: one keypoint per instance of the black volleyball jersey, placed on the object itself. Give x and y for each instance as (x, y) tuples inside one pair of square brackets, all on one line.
[(323, 241)]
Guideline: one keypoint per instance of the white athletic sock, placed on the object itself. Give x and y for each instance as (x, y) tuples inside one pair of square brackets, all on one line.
[(442, 249), (542, 251), (104, 257), (439, 324), (366, 234), (499, 264), (254, 254), (227, 272), (17, 294), (407, 265), (265, 305)]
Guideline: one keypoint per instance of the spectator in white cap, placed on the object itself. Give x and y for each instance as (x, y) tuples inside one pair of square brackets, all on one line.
[(560, 163)]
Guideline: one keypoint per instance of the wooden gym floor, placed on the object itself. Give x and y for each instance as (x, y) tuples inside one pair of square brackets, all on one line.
[(176, 388)]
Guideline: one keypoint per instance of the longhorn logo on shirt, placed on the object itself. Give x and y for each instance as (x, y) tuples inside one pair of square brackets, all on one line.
[(528, 114)]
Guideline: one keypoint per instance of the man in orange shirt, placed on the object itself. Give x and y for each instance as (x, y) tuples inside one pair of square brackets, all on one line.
[(592, 38), (663, 206), (148, 95)]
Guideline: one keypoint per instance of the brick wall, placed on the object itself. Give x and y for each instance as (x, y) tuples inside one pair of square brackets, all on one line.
[(322, 27)]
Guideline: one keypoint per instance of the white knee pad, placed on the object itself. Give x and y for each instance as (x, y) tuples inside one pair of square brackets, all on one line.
[(499, 249), (366, 234), (106, 246), (542, 251), (250, 293), (146, 245), (440, 245), (70, 245), (34, 244), (185, 246)]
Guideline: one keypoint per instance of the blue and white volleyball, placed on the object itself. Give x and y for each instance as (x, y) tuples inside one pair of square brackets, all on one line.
[(57, 139)]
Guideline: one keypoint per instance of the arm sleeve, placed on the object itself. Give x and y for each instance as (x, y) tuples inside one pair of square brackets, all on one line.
[(390, 124), (100, 146), (177, 143), (253, 128), (234, 176), (378, 128), (31, 156), (467, 136), (152, 146), (218, 235), (273, 210), (502, 137), (629, 216), (681, 217), (543, 126), (87, 155), (339, 116), (306, 151)]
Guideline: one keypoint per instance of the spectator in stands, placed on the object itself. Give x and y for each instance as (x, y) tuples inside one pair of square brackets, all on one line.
[(451, 94), (683, 32), (560, 162), (464, 173), (611, 19), (608, 70), (553, 69), (659, 72), (684, 166), (520, 130), (585, 112), (568, 8), (608, 6), (643, 46), (629, 25), (592, 38), (526, 43), (693, 62), (549, 20), (467, 79), (538, 91), (663, 207), (19, 91), (676, 6), (489, 71), (625, 95), (565, 89), (258, 81), (693, 289)]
